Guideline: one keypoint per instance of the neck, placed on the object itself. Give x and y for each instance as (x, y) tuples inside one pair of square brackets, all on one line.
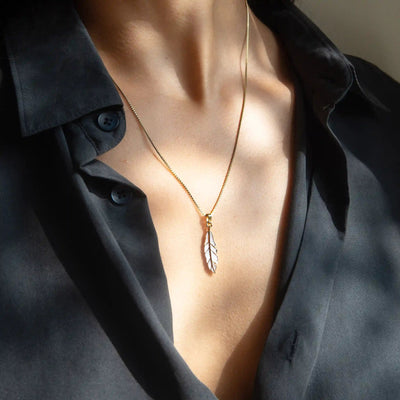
[(189, 42)]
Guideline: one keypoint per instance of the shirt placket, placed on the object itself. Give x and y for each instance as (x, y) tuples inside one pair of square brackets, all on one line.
[(137, 288)]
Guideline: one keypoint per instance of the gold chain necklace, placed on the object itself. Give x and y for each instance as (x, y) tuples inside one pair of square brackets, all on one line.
[(210, 249)]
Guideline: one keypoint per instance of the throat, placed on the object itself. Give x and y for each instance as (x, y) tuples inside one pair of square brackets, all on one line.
[(171, 43)]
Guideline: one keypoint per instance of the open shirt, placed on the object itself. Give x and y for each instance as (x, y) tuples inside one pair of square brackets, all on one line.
[(84, 304)]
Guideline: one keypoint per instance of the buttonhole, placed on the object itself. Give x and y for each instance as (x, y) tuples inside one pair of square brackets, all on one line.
[(293, 346)]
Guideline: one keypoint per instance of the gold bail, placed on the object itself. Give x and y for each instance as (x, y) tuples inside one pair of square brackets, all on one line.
[(209, 220)]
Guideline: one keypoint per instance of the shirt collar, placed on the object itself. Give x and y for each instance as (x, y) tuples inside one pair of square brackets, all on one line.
[(325, 72), (51, 55)]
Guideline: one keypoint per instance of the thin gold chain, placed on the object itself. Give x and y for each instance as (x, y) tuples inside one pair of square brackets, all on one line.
[(164, 161)]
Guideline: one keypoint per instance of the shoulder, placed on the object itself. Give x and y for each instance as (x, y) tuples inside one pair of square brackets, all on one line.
[(366, 125), (378, 86)]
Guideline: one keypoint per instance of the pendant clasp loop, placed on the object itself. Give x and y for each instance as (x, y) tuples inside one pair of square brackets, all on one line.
[(208, 220)]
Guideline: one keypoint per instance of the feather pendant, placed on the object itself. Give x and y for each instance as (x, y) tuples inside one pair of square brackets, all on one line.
[(210, 251)]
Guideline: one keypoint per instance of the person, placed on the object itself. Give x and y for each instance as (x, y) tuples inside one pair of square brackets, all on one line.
[(126, 125)]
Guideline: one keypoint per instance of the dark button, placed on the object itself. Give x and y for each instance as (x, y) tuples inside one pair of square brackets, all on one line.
[(108, 121), (120, 194)]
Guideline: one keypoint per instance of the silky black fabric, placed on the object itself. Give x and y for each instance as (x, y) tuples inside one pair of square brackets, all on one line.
[(84, 304)]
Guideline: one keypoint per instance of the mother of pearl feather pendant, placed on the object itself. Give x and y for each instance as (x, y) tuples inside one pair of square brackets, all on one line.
[(210, 248)]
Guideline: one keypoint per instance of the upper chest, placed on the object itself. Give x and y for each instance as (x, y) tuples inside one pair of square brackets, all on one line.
[(220, 321)]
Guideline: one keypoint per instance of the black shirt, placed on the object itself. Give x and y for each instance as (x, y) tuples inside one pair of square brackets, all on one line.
[(84, 304)]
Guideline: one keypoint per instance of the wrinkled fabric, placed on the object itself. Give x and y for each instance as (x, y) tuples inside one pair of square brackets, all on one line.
[(84, 305)]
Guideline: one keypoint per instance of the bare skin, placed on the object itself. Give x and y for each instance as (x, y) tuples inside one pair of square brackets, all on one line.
[(178, 62)]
